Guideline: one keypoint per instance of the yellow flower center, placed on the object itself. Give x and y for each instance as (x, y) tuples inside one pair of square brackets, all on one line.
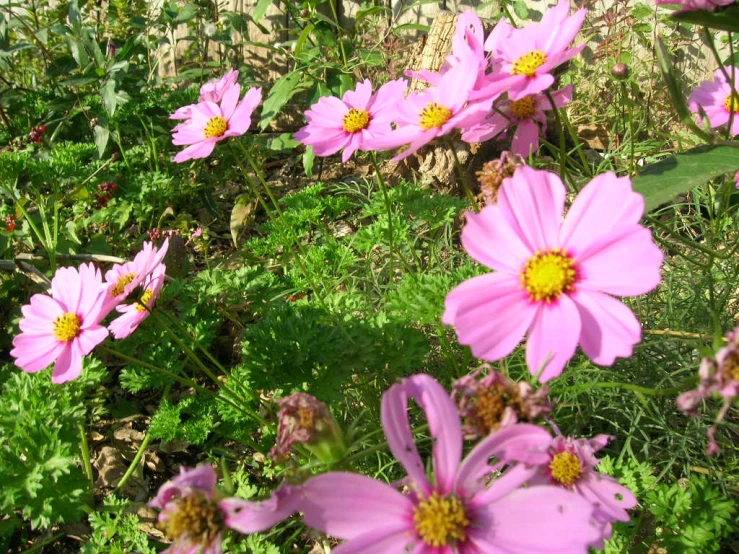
[(355, 120), (566, 468), (215, 127), (440, 520), (529, 63), (548, 274), (524, 108), (121, 283), (195, 518), (731, 104), (144, 301), (731, 365), (67, 327), (434, 115)]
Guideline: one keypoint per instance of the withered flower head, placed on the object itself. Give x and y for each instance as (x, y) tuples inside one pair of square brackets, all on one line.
[(493, 172)]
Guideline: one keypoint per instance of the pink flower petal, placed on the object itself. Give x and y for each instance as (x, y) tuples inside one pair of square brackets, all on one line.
[(534, 200), (444, 427), (555, 514), (605, 203), (394, 416), (196, 151), (609, 327), (347, 505), (553, 336), (526, 139), (68, 365), (229, 101), (377, 541), (610, 498), (490, 314), (492, 242), (626, 262), (88, 339), (253, 517)]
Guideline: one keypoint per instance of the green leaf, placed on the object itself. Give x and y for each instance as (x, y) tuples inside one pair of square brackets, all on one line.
[(661, 182), (102, 135), (726, 20), (308, 158), (284, 89), (260, 10), (242, 216)]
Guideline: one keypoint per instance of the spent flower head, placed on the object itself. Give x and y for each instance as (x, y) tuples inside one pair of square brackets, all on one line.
[(493, 172), (554, 278), (304, 418), (492, 401), (719, 376), (64, 327), (195, 516)]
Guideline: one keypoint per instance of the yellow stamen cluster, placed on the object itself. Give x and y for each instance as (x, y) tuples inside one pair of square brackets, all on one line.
[(355, 120), (121, 283), (440, 521), (524, 108), (548, 274), (215, 127), (144, 301), (67, 327), (529, 63), (434, 115), (566, 468), (731, 104), (195, 518)]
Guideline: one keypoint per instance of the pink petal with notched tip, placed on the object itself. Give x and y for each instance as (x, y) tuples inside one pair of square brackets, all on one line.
[(553, 337), (609, 328)]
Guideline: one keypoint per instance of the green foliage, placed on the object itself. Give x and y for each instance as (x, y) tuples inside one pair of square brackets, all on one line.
[(116, 532), (40, 446), (192, 419), (663, 181)]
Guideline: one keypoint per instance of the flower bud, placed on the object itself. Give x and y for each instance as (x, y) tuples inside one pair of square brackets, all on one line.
[(303, 418), (620, 71)]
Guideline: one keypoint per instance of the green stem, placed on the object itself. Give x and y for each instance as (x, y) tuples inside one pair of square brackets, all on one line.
[(135, 463), (562, 142), (689, 383), (707, 251), (332, 3), (293, 239), (388, 207), (85, 451), (44, 543), (578, 143), (463, 177)]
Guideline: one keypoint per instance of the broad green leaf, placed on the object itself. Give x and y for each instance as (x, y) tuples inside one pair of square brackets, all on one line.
[(261, 9), (102, 135), (309, 157), (284, 89), (726, 20), (242, 216), (663, 181)]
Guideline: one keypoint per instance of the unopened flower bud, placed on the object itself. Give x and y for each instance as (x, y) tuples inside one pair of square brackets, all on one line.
[(620, 71), (303, 418)]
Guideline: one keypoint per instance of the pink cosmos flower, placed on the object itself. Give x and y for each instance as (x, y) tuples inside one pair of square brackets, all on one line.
[(526, 115), (692, 5), (63, 327), (212, 91), (719, 375), (553, 278), (135, 313), (528, 56), (458, 509), (717, 100), (195, 517), (434, 112), (349, 123), (491, 402), (571, 465), (123, 278), (208, 122)]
